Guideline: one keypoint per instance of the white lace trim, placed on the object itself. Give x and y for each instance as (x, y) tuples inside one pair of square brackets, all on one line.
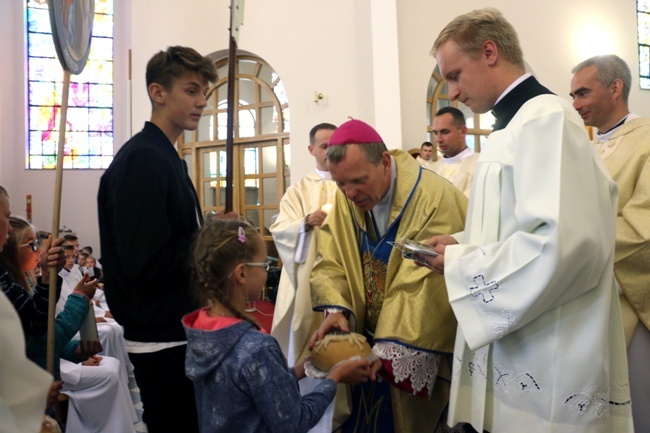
[(421, 368), (589, 400)]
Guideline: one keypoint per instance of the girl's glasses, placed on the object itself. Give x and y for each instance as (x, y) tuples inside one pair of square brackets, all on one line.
[(266, 265), (33, 245)]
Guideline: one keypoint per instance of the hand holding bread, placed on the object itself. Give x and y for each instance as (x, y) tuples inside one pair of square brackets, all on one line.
[(344, 356), (333, 322), (353, 371)]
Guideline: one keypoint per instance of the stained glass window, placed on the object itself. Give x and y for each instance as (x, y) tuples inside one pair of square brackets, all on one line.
[(643, 33), (89, 133)]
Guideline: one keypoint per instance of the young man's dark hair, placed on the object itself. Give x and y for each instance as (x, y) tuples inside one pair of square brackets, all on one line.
[(166, 66)]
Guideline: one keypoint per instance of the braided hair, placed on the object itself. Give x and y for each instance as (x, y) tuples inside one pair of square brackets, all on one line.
[(218, 249)]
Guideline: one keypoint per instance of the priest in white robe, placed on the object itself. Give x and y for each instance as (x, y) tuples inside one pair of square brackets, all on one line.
[(303, 209), (540, 343), (458, 160), (600, 88)]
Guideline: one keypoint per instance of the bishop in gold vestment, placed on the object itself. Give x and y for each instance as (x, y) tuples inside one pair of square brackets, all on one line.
[(401, 307)]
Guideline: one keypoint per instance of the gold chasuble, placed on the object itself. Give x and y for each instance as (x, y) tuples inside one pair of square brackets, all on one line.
[(395, 301), (627, 157)]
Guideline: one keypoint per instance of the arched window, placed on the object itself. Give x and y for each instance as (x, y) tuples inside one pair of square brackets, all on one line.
[(643, 33), (89, 136), (261, 142), (478, 125)]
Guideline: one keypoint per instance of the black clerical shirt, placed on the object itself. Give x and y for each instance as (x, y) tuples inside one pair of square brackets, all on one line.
[(507, 107)]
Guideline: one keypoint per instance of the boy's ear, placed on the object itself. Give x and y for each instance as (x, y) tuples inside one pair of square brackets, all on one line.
[(157, 93)]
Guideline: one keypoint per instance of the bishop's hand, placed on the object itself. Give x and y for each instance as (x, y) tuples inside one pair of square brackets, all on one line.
[(333, 322)]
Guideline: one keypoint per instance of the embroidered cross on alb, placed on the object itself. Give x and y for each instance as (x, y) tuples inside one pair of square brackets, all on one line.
[(483, 289)]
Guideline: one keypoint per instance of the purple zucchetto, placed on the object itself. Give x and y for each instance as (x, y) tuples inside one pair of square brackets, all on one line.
[(354, 132)]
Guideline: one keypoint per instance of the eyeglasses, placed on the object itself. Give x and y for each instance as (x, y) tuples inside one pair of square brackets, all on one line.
[(33, 245), (266, 265)]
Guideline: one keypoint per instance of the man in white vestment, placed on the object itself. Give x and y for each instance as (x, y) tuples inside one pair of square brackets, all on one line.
[(303, 209), (458, 161), (600, 88), (426, 153), (540, 344)]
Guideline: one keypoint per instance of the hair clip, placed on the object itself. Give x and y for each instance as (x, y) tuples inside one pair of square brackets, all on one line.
[(241, 235)]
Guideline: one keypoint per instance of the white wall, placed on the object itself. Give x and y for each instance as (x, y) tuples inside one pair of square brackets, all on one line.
[(370, 58)]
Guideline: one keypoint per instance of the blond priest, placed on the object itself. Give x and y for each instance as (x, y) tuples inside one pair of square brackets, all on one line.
[(540, 344)]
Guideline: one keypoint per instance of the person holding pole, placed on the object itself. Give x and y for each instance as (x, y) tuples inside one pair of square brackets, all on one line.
[(23, 385), (148, 214)]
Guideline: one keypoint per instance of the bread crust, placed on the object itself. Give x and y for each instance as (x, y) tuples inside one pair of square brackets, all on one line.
[(334, 348)]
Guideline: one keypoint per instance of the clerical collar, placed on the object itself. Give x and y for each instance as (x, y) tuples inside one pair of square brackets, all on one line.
[(605, 136), (381, 211), (514, 98), (458, 158), (513, 85), (325, 175)]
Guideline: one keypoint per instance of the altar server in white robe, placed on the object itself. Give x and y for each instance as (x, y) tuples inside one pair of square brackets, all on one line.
[(70, 274), (600, 88), (100, 400), (540, 343), (458, 160), (303, 209), (111, 334)]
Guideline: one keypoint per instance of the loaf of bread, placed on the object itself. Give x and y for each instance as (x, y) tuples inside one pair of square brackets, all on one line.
[(334, 348), (50, 425)]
